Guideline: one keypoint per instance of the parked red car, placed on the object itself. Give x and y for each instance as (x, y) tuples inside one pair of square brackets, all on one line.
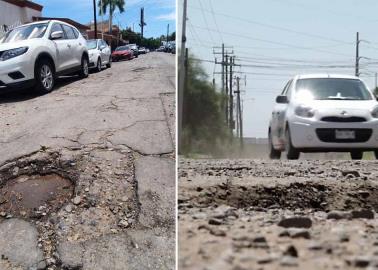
[(122, 52)]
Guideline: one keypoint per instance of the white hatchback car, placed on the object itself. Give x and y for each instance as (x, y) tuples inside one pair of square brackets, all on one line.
[(35, 54), (99, 54), (324, 113)]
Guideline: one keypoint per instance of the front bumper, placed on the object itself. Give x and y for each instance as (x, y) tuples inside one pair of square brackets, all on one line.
[(317, 135), (21, 65)]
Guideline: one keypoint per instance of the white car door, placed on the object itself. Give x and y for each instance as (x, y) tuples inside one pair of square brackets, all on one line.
[(105, 52), (278, 118), (73, 43), (62, 48)]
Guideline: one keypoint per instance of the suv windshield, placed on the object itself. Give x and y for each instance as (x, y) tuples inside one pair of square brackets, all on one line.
[(25, 32), (332, 89), (91, 44)]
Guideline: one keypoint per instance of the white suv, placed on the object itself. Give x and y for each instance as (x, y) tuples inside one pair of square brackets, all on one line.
[(35, 54), (324, 113)]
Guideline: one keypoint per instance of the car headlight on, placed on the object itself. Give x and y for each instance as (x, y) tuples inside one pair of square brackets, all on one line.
[(304, 111), (13, 53), (374, 112)]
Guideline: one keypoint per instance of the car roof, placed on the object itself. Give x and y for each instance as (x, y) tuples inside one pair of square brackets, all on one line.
[(325, 75), (47, 21)]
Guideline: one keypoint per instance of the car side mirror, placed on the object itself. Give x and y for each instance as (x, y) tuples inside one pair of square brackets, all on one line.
[(282, 99), (102, 47), (56, 35)]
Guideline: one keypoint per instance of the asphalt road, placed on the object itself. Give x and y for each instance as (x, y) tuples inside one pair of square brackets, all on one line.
[(111, 136), (263, 214)]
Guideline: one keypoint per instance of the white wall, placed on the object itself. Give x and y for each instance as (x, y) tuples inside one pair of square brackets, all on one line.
[(11, 14)]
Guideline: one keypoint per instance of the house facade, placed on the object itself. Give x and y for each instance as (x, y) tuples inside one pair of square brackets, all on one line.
[(17, 12)]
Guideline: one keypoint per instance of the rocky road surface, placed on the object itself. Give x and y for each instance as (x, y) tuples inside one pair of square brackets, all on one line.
[(87, 172), (261, 214)]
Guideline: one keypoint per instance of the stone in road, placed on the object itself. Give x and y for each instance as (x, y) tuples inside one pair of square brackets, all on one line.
[(264, 214), (112, 136)]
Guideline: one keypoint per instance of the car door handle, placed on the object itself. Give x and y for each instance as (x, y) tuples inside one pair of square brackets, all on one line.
[(68, 45)]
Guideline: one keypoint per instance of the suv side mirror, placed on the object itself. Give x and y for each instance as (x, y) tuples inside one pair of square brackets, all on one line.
[(56, 35), (282, 99)]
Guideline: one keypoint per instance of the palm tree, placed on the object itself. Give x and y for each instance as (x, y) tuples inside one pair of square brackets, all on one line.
[(112, 5)]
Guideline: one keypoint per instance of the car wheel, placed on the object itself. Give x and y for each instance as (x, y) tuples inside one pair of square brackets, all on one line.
[(273, 153), (44, 76), (291, 151), (109, 64), (99, 65), (356, 154), (84, 67)]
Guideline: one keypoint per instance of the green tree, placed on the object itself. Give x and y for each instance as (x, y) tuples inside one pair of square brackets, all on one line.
[(204, 127), (172, 36), (111, 5)]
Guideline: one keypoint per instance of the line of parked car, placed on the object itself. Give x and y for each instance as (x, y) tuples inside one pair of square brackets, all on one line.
[(34, 55)]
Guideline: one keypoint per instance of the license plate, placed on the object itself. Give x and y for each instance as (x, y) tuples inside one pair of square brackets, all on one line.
[(345, 134)]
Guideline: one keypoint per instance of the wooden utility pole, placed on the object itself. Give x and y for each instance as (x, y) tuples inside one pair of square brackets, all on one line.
[(142, 22), (357, 71), (226, 92), (95, 19), (167, 33), (239, 112), (181, 79), (231, 99)]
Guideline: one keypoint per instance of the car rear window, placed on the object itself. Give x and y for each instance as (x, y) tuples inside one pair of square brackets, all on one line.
[(332, 89)]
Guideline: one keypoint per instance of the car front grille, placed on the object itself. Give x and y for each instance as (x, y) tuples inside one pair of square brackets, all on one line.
[(348, 119), (328, 135)]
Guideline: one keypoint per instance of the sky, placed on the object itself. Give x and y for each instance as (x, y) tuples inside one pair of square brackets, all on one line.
[(158, 14), (274, 40)]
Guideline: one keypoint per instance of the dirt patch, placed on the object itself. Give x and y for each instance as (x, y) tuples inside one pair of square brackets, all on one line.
[(140, 69), (32, 196)]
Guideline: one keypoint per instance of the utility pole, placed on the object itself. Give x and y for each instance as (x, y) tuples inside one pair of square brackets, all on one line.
[(226, 93), (357, 71), (231, 112), (224, 63), (239, 112), (102, 20), (142, 22), (181, 78), (167, 33), (95, 19)]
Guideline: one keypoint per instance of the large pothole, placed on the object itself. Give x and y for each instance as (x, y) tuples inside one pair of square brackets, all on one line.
[(35, 196)]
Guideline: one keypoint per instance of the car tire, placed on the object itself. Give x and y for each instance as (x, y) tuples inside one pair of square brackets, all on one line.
[(109, 64), (44, 75), (356, 154), (99, 65), (273, 153), (291, 151), (84, 72)]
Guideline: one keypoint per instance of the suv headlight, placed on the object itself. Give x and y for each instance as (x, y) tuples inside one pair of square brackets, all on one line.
[(374, 112), (13, 53), (304, 111)]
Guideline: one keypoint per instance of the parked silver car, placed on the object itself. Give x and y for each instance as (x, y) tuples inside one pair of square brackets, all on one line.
[(99, 54)]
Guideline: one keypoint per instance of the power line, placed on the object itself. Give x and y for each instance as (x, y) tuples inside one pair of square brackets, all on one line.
[(215, 21), (205, 20), (271, 42), (276, 27)]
